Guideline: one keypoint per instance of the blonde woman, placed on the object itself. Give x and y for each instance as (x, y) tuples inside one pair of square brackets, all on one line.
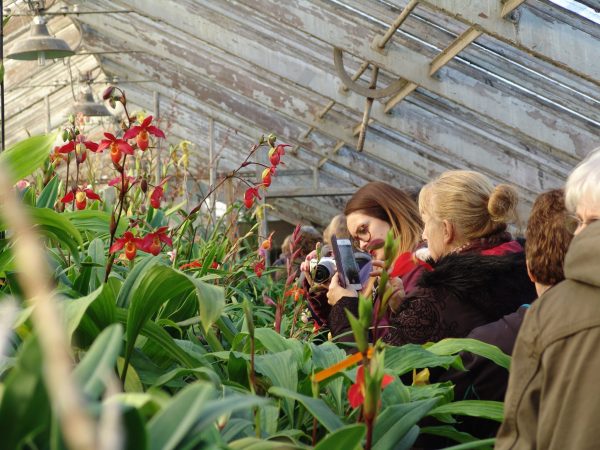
[(479, 272)]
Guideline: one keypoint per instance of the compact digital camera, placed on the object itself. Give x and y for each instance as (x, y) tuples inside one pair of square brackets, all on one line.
[(325, 268)]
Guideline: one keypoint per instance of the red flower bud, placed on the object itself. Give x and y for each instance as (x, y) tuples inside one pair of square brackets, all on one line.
[(108, 92)]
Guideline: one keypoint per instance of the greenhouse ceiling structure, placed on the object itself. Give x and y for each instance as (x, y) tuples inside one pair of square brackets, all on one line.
[(392, 90)]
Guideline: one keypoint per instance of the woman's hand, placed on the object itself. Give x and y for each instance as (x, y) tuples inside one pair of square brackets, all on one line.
[(336, 292), (305, 266), (377, 267), (398, 296)]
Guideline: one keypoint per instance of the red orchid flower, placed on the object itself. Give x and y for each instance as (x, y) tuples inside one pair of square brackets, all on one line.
[(140, 133), (259, 267), (267, 243), (197, 264), (152, 241), (116, 182), (249, 196), (130, 243), (275, 153), (356, 393), (80, 195), (117, 147), (295, 292), (56, 157), (156, 197), (266, 176), (79, 145)]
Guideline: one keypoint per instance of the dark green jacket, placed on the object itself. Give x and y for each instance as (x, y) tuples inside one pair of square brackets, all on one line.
[(553, 397)]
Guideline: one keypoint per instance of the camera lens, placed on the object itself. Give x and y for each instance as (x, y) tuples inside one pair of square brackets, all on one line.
[(324, 271), (321, 274)]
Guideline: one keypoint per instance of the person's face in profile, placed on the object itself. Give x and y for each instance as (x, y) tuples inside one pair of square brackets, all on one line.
[(364, 229)]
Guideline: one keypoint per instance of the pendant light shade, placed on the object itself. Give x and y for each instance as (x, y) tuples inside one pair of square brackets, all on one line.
[(88, 107), (39, 45)]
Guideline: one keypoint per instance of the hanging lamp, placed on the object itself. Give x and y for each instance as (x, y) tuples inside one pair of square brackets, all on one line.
[(39, 45), (86, 105)]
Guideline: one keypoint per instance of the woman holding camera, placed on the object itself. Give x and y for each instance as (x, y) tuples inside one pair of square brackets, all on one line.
[(479, 272), (372, 211)]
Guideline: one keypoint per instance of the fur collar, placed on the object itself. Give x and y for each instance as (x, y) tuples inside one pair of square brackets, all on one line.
[(497, 285)]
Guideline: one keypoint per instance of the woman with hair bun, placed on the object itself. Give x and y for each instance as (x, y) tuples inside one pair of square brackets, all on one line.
[(479, 272)]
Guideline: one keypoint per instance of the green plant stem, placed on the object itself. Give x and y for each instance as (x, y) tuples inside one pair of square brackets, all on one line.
[(113, 231)]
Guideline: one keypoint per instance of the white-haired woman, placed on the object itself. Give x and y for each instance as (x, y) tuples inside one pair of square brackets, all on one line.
[(551, 402)]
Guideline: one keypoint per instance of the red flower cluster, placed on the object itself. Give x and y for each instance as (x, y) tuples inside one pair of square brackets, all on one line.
[(356, 393), (151, 243), (80, 146), (197, 265), (140, 133), (275, 154), (265, 246), (80, 196)]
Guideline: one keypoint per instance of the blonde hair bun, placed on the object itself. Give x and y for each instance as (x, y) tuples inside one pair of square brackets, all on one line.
[(502, 204)]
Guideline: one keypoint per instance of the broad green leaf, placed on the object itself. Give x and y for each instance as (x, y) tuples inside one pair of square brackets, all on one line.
[(168, 428), (49, 194), (401, 360), (162, 338), (134, 278), (274, 343), (455, 345), (475, 408), (100, 360), (211, 300), (482, 444), (448, 431), (396, 421), (92, 221), (54, 225), (281, 368), (347, 438), (326, 355), (269, 416), (23, 158), (252, 443), (25, 408), (76, 308), (98, 257), (317, 407), (155, 286)]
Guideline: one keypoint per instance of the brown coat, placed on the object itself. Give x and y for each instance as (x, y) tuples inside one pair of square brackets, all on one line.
[(553, 397)]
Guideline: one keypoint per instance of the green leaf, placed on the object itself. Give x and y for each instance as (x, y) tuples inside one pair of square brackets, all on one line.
[(49, 194), (23, 158), (347, 438), (396, 421), (168, 428), (92, 221), (456, 345), (133, 280), (252, 443), (448, 431), (317, 407), (163, 339), (475, 408), (401, 360), (24, 408), (211, 301), (281, 368), (76, 308), (194, 409), (482, 444), (100, 360)]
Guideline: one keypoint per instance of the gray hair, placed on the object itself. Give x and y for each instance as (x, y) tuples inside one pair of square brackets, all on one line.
[(584, 182)]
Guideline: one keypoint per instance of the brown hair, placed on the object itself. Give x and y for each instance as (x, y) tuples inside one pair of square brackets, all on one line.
[(468, 200), (338, 227), (547, 238), (392, 205)]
